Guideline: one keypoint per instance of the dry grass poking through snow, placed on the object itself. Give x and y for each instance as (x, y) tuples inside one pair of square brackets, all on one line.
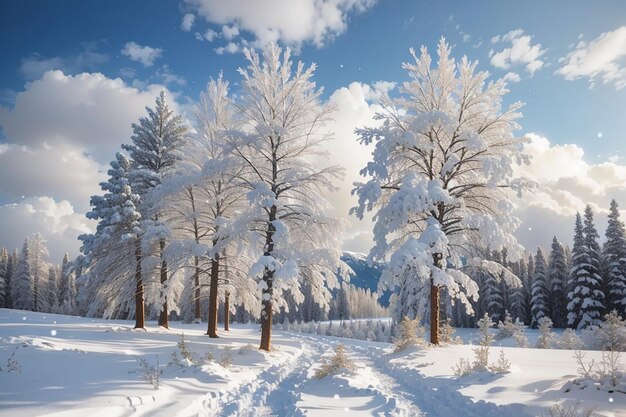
[(339, 361)]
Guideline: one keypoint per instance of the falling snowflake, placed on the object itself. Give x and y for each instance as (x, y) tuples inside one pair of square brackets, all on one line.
[(53, 332)]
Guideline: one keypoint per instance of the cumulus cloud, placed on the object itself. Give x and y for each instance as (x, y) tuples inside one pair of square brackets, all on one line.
[(55, 220), (291, 22), (602, 58), (144, 54), (512, 77), (187, 22), (34, 65), (230, 48), (566, 184), (90, 111), (521, 52), (355, 106)]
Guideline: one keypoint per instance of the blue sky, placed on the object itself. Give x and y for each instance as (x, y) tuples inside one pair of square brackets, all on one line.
[(569, 56)]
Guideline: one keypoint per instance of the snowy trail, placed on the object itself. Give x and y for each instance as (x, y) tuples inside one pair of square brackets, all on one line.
[(434, 402)]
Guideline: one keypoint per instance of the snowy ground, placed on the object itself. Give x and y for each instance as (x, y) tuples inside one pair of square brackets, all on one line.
[(77, 367)]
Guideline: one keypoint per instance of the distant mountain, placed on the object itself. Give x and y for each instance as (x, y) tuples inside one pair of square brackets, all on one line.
[(366, 276)]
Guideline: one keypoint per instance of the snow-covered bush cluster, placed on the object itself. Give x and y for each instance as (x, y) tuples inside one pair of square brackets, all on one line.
[(409, 333), (372, 330)]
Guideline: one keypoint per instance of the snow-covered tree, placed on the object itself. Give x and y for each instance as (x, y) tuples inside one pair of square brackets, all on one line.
[(155, 150), (540, 302), (343, 303), (283, 128), (10, 274), (519, 308), (557, 282), (4, 261), (114, 253), (442, 164), (22, 290), (67, 287), (52, 289), (586, 298), (528, 288), (39, 269), (614, 261)]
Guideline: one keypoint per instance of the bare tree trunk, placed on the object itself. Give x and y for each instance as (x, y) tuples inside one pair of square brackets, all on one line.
[(434, 305), (268, 290), (212, 327), (163, 317), (139, 309), (227, 311), (266, 313), (196, 282)]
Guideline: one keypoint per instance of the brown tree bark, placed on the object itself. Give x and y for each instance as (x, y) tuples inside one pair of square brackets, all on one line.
[(139, 309), (212, 326), (434, 304), (163, 317), (227, 311), (268, 278)]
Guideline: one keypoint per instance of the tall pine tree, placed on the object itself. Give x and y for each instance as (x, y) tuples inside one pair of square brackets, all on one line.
[(540, 292), (157, 140), (614, 261), (586, 298), (22, 291), (557, 280)]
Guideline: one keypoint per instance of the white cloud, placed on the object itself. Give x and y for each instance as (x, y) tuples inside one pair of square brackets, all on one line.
[(602, 58), (230, 48), (90, 111), (230, 32), (144, 54), (210, 35), (187, 22), (356, 105), (288, 21), (512, 77), (566, 184), (61, 134), (520, 52), (56, 221)]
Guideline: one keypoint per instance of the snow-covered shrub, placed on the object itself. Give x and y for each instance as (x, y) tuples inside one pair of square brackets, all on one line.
[(337, 362), (446, 334), (462, 368), (409, 332), (558, 410), (570, 340), (226, 358), (247, 348), (608, 374), (609, 334), (506, 328), (503, 365), (150, 373), (545, 333), (514, 329), (183, 349), (481, 352)]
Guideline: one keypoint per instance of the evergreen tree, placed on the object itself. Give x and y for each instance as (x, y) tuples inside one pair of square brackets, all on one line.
[(528, 289), (11, 267), (4, 260), (557, 280), (67, 287), (586, 298), (22, 291), (157, 140), (343, 303), (519, 307), (38, 255), (614, 262), (52, 289), (540, 291), (114, 253)]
